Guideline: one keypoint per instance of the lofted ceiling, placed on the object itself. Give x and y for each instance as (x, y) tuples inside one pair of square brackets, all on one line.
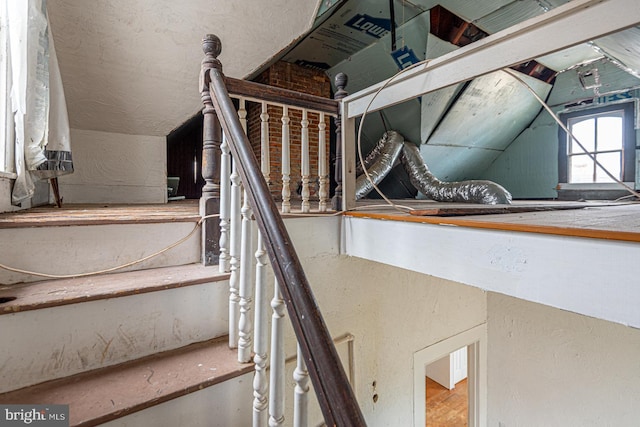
[(131, 66), (462, 129)]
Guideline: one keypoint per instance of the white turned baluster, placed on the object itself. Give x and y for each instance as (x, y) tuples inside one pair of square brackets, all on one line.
[(260, 383), (242, 113), (245, 292), (301, 392), (286, 170), (225, 209), (304, 167), (265, 156), (234, 254), (245, 326), (323, 177), (276, 377)]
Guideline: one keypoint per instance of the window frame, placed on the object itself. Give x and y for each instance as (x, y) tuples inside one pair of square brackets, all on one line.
[(628, 145)]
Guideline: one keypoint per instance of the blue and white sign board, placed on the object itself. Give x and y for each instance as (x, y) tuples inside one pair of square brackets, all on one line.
[(351, 29), (376, 27), (378, 62), (404, 57)]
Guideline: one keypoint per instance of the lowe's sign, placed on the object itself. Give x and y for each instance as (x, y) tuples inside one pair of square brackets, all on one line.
[(376, 27)]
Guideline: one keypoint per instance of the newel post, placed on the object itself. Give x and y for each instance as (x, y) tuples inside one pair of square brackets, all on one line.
[(211, 141), (341, 82)]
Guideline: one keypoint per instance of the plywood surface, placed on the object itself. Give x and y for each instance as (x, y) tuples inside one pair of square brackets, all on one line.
[(579, 219)]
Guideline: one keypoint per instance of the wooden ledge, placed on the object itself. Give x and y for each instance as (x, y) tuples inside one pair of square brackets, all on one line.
[(620, 222), (106, 394), (52, 293)]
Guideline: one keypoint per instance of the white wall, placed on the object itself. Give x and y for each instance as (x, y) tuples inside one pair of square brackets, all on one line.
[(393, 313), (548, 367), (116, 168), (132, 66)]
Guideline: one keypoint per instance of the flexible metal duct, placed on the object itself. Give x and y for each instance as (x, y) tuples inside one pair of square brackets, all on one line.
[(472, 191), (373, 155), (382, 159), (392, 145)]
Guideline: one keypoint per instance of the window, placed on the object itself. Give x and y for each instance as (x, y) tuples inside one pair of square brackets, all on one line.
[(608, 134)]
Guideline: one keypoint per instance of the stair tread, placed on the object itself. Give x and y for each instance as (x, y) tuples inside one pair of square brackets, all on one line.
[(69, 215), (51, 293), (99, 396)]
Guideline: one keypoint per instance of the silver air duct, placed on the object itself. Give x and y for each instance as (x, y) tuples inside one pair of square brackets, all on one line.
[(373, 155), (392, 144), (473, 191), (382, 159)]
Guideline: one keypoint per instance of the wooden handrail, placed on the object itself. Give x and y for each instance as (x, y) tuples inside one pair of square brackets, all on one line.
[(335, 395), (272, 94)]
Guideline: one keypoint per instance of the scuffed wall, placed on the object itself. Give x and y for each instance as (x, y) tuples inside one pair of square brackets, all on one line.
[(548, 367)]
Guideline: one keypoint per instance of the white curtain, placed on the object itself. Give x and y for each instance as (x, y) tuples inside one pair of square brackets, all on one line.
[(42, 144)]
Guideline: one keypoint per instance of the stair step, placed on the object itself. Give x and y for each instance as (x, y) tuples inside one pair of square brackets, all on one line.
[(101, 214), (56, 328), (106, 394), (82, 238), (52, 293)]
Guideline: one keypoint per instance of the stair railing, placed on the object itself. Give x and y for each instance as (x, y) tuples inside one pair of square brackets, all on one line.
[(317, 356)]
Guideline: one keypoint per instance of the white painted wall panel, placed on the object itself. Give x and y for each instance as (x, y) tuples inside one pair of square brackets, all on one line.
[(587, 276), (116, 168), (552, 368), (132, 67)]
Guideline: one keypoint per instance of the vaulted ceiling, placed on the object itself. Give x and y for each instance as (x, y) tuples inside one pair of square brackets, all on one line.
[(131, 66)]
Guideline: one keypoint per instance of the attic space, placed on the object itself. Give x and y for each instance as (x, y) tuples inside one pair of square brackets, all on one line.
[(491, 127)]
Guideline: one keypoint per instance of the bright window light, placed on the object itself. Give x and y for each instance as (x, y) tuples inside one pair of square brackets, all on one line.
[(601, 135)]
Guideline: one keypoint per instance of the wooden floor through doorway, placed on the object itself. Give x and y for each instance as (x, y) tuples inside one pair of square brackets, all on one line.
[(447, 408)]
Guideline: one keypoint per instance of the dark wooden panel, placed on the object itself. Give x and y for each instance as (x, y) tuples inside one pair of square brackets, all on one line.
[(184, 147)]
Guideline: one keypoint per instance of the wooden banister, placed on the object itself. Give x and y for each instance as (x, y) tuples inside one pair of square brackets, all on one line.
[(335, 396), (259, 92), (211, 155)]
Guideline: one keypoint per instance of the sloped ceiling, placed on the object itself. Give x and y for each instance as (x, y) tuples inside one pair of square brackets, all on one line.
[(131, 66)]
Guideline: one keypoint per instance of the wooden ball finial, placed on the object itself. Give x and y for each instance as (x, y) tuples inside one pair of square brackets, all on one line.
[(211, 45), (341, 81)]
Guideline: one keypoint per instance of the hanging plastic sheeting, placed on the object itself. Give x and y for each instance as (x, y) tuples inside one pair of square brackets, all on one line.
[(392, 145), (42, 144)]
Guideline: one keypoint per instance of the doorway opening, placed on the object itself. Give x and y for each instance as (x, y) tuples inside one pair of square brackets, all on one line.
[(184, 160), (447, 391), (447, 361)]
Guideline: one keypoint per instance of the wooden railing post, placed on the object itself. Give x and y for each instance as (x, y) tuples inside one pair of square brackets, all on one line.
[(341, 82), (335, 395), (211, 141)]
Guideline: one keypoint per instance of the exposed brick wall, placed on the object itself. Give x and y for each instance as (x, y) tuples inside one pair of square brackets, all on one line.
[(301, 79)]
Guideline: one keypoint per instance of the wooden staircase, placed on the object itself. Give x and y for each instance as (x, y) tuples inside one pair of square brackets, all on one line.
[(115, 346)]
